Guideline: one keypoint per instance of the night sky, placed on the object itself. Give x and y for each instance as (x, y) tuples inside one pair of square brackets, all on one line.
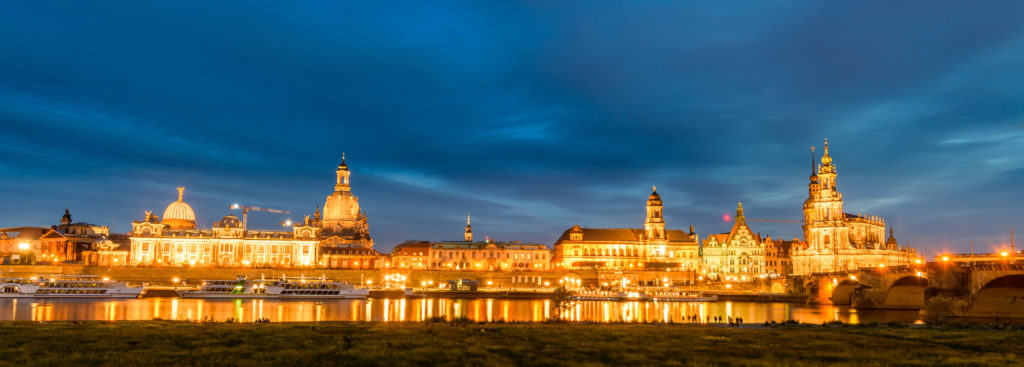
[(533, 116)]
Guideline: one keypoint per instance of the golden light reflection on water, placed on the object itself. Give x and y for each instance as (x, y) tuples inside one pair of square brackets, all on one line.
[(421, 309)]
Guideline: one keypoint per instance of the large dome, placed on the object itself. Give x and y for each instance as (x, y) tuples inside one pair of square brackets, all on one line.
[(179, 214)]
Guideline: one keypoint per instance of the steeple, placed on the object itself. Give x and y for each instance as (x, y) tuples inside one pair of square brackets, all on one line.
[(469, 230), (739, 213), (181, 193)]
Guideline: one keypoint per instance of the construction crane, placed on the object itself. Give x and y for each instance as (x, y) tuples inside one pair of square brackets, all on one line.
[(774, 220), (246, 209)]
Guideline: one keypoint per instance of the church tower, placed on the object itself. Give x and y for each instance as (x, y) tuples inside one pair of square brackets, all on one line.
[(469, 230), (655, 224), (824, 227)]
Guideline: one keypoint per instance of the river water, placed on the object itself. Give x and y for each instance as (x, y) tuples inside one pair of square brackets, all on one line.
[(29, 309)]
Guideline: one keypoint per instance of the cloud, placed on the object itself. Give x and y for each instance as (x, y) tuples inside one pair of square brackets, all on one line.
[(532, 116)]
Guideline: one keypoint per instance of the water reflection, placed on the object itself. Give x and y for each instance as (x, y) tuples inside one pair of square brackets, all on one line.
[(422, 309)]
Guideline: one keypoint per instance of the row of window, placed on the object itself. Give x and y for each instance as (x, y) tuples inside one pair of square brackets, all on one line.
[(192, 247)]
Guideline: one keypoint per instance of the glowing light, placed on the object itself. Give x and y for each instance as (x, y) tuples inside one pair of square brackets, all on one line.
[(23, 246), (944, 258), (881, 265), (726, 217), (175, 280), (853, 277), (106, 279), (1004, 253), (918, 261)]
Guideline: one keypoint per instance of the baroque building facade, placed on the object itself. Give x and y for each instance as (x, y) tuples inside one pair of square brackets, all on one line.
[(738, 255), (338, 239), (175, 240), (650, 247), (840, 241), (467, 254)]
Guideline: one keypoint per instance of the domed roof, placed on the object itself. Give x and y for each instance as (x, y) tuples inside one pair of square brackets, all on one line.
[(654, 196), (229, 221), (179, 214)]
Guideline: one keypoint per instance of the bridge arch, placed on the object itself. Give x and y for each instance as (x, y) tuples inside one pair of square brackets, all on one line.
[(906, 292), (842, 294), (1002, 296)]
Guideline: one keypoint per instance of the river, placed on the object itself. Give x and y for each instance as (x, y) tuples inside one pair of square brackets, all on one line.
[(29, 309)]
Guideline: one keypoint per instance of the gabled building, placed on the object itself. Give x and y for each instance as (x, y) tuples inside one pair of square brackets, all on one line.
[(651, 247), (61, 243), (738, 255)]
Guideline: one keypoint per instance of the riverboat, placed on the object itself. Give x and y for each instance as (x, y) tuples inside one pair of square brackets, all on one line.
[(67, 286), (636, 295), (284, 288), (680, 296)]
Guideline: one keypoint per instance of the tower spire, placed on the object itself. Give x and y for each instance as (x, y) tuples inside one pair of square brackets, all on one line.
[(469, 230), (812, 161), (181, 192)]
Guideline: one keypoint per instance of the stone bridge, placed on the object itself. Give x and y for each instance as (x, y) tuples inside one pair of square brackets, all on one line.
[(972, 290)]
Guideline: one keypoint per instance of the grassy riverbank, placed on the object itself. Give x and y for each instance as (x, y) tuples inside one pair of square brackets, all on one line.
[(340, 343)]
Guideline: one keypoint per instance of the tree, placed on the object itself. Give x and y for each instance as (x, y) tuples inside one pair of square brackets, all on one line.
[(561, 300)]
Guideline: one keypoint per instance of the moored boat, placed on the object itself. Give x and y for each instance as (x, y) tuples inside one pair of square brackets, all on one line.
[(284, 288), (67, 286)]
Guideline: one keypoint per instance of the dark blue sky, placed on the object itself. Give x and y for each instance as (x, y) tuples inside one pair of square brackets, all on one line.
[(534, 116)]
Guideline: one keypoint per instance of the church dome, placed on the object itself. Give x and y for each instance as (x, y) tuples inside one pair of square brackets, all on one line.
[(229, 221), (654, 198), (179, 214)]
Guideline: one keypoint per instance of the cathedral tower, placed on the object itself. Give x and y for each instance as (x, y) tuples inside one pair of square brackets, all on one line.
[(469, 230), (824, 228)]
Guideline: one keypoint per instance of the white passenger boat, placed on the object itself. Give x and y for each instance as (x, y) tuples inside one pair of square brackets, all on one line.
[(680, 296), (67, 286), (636, 295), (284, 288)]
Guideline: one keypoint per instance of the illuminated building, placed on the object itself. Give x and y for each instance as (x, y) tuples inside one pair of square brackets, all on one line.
[(651, 247), (737, 255), (175, 241), (411, 255), (55, 244), (339, 239), (778, 260), (839, 241), (345, 241), (343, 223), (105, 253), (470, 255)]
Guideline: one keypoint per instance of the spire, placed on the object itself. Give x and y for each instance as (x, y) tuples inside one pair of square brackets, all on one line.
[(181, 192), (654, 188), (813, 173), (467, 218), (739, 209), (469, 230)]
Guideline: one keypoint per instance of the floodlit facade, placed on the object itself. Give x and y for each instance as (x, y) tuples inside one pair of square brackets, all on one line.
[(840, 241), (738, 255), (175, 241), (652, 247), (64, 243), (469, 255)]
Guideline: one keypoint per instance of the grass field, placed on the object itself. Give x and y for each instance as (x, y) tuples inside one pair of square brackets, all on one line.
[(157, 343)]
